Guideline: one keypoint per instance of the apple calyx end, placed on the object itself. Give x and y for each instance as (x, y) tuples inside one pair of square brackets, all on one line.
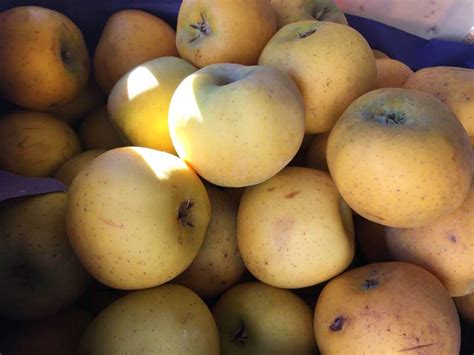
[(337, 324), (203, 29), (389, 118), (307, 33), (369, 284), (183, 213), (240, 336)]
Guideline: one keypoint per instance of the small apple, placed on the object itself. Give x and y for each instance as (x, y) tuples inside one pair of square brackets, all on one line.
[(136, 217), (168, 319), (97, 131), (39, 273), (316, 154), (130, 37), (371, 239), (332, 64), (218, 265), (138, 103), (391, 73), (289, 11), (386, 308), (465, 307), (294, 230), (222, 31), (257, 319), (68, 171), (34, 143), (379, 54), (45, 62), (254, 115), (400, 158)]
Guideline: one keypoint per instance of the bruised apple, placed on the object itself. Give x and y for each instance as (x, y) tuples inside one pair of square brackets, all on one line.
[(136, 217), (237, 125), (400, 158)]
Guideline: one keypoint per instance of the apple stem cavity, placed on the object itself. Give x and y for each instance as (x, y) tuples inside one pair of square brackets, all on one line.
[(203, 29), (66, 56), (183, 213), (307, 33), (240, 336)]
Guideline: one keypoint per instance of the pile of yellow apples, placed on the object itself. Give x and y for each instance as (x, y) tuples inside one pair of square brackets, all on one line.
[(257, 180)]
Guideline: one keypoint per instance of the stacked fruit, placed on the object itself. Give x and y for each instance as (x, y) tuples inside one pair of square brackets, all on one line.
[(220, 177)]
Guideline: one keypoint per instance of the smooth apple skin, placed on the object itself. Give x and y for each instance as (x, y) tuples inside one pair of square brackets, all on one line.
[(136, 217), (400, 158), (391, 73), (257, 319), (45, 62), (97, 131), (139, 102), (168, 319), (39, 272), (237, 125), (289, 11), (332, 65), (68, 171)]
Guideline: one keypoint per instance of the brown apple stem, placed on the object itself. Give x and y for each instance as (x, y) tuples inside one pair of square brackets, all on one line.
[(183, 213), (320, 13), (203, 29), (240, 335), (308, 33)]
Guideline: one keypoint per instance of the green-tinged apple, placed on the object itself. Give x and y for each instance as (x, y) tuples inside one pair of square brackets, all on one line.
[(84, 102), (68, 171), (444, 247), (386, 308), (400, 158), (168, 319), (130, 37), (97, 131), (289, 11), (258, 319), (237, 125), (45, 62), (34, 143), (218, 264), (39, 273), (222, 31), (332, 64), (294, 230), (136, 217), (138, 103)]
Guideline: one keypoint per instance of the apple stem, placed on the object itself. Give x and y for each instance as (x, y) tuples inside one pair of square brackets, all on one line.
[(183, 213), (203, 28), (321, 13)]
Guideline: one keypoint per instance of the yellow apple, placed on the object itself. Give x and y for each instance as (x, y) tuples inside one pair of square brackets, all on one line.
[(138, 103), (68, 171), (236, 125), (400, 158), (258, 319), (45, 62), (294, 230), (222, 31), (453, 86), (136, 217), (218, 265), (97, 131), (289, 11), (391, 73), (129, 38), (168, 319), (379, 54), (39, 273), (332, 64), (465, 306), (444, 247), (34, 143), (84, 102), (386, 308), (316, 155)]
